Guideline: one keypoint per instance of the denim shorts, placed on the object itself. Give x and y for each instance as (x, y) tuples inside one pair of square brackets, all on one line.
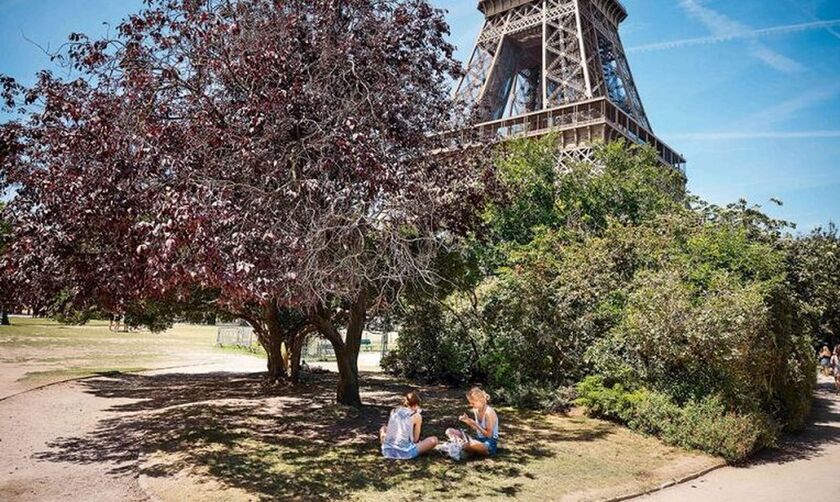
[(400, 453), (490, 443)]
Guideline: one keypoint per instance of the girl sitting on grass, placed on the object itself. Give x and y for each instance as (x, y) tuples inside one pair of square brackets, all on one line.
[(484, 422), (401, 437)]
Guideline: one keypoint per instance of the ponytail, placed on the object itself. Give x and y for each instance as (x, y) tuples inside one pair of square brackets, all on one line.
[(411, 399)]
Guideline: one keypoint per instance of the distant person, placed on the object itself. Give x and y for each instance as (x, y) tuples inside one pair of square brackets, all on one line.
[(484, 422), (835, 365), (401, 437), (825, 360), (115, 322)]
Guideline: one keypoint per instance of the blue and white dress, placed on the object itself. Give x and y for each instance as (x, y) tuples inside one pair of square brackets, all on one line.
[(399, 438), (492, 442)]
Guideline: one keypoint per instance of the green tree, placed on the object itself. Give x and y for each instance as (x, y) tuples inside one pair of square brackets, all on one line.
[(547, 294), (814, 263), (613, 269)]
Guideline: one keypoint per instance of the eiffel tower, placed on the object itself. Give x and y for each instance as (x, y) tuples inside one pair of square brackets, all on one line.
[(557, 66)]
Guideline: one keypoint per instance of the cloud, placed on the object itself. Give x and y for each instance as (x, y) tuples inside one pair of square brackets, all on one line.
[(750, 135), (774, 59), (723, 26), (738, 35), (813, 16), (719, 24), (783, 111)]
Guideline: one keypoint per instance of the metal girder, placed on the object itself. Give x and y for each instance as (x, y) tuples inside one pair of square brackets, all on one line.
[(565, 71), (581, 51), (533, 57)]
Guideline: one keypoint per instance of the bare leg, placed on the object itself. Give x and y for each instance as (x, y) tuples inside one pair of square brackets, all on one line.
[(427, 445), (477, 448), (382, 432)]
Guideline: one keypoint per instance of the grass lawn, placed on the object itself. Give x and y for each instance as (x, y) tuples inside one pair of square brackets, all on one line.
[(213, 436), (235, 443), (34, 352)]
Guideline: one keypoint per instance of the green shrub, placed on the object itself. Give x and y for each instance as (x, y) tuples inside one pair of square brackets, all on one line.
[(707, 425), (535, 396), (814, 264), (433, 347), (615, 272), (610, 402), (704, 425)]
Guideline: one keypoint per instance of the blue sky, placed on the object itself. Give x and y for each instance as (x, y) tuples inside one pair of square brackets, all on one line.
[(747, 90)]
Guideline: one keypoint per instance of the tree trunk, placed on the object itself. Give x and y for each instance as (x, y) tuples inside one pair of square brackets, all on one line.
[(273, 344), (297, 349), (4, 318), (348, 377), (274, 348), (347, 350)]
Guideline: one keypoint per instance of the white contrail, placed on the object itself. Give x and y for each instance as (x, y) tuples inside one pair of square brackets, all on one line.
[(810, 13), (746, 34), (734, 135)]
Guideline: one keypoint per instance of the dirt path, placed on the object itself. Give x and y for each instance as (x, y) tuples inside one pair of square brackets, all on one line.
[(34, 424), (805, 467)]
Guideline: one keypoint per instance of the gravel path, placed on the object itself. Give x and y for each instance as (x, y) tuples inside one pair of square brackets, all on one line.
[(32, 426), (805, 467)]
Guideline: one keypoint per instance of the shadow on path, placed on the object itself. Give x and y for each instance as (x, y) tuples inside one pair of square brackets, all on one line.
[(292, 443)]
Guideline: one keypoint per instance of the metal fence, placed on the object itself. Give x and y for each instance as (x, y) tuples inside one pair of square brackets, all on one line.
[(241, 336), (316, 348)]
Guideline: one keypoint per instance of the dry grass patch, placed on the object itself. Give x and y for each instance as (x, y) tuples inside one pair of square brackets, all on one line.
[(34, 352), (220, 437)]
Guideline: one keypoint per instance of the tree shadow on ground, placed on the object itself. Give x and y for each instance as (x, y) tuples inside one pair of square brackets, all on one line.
[(823, 430), (295, 443)]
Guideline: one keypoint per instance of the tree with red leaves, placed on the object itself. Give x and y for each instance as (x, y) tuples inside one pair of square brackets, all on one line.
[(280, 156), (4, 293)]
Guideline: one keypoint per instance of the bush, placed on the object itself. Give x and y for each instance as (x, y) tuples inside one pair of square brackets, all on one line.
[(441, 344), (707, 425), (704, 425), (433, 348), (611, 402), (711, 316), (538, 397), (615, 272), (814, 264)]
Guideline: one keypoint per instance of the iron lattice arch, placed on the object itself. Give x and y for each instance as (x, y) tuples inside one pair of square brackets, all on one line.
[(542, 66)]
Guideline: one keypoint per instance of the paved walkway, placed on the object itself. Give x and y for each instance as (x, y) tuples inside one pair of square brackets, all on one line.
[(806, 467)]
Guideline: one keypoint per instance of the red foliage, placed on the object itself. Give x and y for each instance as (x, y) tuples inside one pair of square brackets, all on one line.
[(266, 150)]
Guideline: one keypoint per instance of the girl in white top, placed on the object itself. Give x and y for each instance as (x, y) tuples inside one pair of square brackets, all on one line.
[(400, 439)]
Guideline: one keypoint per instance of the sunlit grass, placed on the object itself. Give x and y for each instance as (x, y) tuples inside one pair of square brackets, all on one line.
[(51, 352)]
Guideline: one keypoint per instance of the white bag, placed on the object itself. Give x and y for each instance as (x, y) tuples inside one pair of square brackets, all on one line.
[(454, 448)]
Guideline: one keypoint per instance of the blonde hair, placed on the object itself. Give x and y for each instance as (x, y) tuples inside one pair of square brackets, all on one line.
[(477, 392), (411, 399)]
